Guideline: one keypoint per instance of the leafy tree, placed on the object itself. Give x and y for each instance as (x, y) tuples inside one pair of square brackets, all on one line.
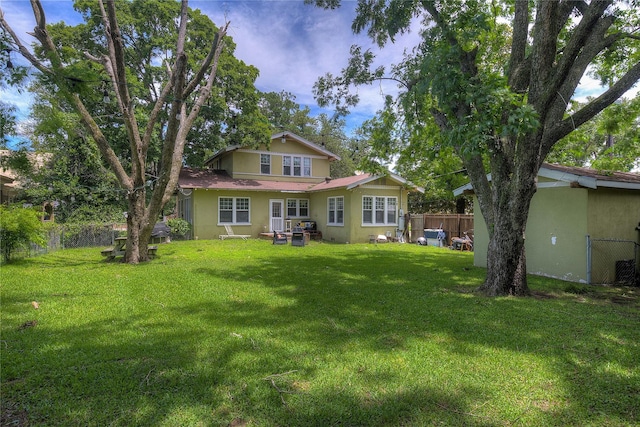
[(436, 168), (609, 142), (285, 114), (18, 228), (496, 79), (126, 73), (10, 75), (7, 123)]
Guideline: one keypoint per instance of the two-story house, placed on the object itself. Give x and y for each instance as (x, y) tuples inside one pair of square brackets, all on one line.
[(259, 191)]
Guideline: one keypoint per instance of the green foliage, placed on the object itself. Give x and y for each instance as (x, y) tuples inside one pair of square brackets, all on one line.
[(7, 123), (230, 115), (284, 114), (66, 169), (179, 226), (610, 142), (19, 227), (218, 333)]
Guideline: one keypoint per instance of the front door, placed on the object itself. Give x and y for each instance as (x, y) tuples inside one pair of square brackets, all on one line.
[(276, 215)]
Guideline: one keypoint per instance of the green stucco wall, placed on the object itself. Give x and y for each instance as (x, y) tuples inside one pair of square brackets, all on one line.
[(246, 164), (205, 213), (556, 233), (555, 236), (614, 213), (560, 219)]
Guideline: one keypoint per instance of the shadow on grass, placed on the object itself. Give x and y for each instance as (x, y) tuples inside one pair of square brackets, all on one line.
[(248, 360)]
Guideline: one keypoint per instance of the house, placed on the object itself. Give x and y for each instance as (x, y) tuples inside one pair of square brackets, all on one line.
[(8, 183), (583, 226), (262, 190)]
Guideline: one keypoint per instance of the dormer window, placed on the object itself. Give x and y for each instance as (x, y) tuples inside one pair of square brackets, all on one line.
[(296, 166), (265, 164)]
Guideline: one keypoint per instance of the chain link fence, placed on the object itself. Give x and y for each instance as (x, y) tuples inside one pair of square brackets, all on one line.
[(75, 236), (612, 261)]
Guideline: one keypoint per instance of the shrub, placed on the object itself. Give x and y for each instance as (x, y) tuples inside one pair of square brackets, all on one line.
[(179, 227), (18, 228)]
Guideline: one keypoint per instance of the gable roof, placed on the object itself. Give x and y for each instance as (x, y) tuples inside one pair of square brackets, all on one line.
[(354, 181), (302, 141), (584, 177), (277, 137), (220, 180), (211, 179)]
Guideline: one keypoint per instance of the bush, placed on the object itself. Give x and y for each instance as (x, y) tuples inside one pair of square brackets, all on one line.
[(18, 228), (179, 227)]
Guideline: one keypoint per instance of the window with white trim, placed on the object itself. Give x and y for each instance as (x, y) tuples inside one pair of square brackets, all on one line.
[(379, 210), (233, 210), (296, 166), (297, 208), (286, 165), (306, 166), (336, 210), (265, 164)]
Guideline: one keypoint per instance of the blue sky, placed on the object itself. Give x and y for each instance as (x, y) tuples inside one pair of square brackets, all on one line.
[(292, 44)]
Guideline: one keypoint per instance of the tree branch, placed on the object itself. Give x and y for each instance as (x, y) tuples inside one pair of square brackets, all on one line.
[(216, 47), (519, 41), (544, 52), (21, 48), (57, 67), (591, 28), (597, 105), (116, 55)]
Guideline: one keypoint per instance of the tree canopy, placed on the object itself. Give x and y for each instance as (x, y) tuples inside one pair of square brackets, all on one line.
[(142, 76), (493, 81)]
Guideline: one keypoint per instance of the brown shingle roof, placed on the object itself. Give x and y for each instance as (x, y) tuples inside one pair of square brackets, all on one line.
[(629, 177), (220, 180), (332, 184)]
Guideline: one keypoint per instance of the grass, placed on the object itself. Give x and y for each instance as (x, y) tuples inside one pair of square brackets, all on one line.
[(244, 333)]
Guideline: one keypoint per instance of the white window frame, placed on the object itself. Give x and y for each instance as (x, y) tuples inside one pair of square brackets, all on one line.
[(386, 206), (298, 166), (264, 156), (235, 210), (298, 207), (335, 210)]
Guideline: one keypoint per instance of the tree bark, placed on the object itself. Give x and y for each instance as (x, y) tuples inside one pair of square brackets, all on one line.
[(506, 259), (188, 98)]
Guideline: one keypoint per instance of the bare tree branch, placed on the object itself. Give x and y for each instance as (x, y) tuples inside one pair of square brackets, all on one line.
[(23, 50)]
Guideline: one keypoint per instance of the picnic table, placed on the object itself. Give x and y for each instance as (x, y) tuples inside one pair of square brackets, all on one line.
[(119, 249)]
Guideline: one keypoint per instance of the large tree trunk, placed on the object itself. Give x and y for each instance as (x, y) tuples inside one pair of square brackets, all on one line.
[(504, 204), (139, 228), (506, 262)]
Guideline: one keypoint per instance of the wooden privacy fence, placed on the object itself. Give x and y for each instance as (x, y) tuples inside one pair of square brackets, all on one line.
[(454, 225)]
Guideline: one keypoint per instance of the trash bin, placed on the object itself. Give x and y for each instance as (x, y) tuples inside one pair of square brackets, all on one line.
[(626, 271), (435, 237)]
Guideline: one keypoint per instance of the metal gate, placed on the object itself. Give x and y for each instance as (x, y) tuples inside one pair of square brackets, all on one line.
[(611, 261)]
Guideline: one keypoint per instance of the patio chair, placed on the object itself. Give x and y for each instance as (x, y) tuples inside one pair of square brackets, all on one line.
[(231, 235), (279, 238)]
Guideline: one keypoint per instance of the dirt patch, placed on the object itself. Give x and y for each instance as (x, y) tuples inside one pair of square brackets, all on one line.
[(543, 295), (12, 415)]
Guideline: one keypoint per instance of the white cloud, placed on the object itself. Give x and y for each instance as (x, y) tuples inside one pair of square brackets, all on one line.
[(292, 44)]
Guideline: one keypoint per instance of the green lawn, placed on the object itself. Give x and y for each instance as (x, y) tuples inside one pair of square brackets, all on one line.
[(244, 333)]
